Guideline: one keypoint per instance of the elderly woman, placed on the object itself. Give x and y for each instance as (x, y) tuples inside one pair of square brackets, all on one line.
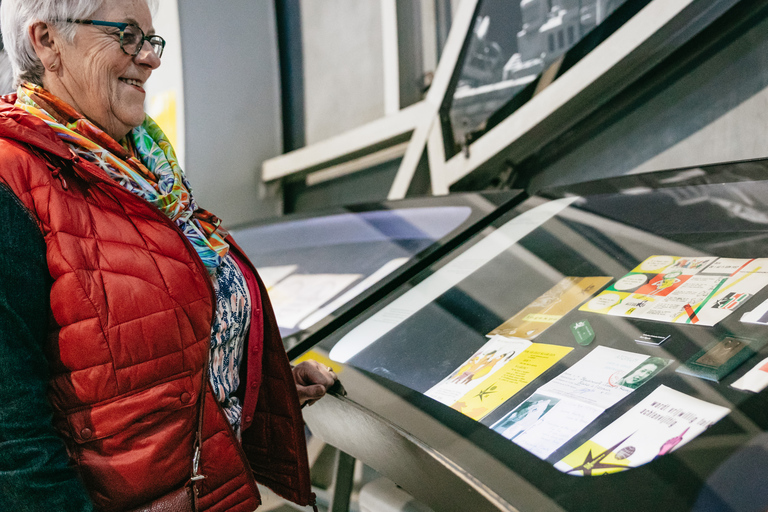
[(139, 355)]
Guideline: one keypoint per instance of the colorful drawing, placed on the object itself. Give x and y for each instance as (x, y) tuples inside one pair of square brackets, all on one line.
[(693, 290), (486, 361), (511, 378)]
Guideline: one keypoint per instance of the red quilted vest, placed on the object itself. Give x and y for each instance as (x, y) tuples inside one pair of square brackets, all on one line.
[(131, 313)]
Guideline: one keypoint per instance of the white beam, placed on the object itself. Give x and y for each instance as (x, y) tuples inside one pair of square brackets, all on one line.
[(620, 55), (365, 137), (462, 24)]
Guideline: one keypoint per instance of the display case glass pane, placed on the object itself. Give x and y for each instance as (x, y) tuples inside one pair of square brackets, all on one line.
[(597, 328), (316, 265), (512, 44)]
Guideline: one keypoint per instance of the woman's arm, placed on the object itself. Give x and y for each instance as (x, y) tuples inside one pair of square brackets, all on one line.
[(34, 466)]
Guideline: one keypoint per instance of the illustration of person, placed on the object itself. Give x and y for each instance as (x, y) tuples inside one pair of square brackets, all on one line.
[(522, 418), (481, 370), (465, 374), (487, 361), (459, 374), (639, 375)]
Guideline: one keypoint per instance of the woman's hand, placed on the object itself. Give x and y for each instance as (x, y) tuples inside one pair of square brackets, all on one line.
[(312, 381)]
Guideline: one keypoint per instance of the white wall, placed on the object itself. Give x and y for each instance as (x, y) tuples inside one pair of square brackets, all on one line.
[(232, 104), (6, 74), (343, 70)]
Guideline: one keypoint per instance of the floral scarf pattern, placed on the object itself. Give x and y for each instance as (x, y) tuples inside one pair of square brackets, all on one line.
[(145, 164), (229, 335)]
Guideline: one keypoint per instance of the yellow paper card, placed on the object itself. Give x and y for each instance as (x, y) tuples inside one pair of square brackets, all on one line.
[(547, 309), (510, 379), (593, 459)]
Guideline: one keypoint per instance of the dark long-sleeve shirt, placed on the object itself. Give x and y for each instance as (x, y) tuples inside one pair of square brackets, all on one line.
[(35, 474)]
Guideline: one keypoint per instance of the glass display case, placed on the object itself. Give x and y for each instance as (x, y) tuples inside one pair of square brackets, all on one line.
[(321, 267), (517, 48), (615, 329)]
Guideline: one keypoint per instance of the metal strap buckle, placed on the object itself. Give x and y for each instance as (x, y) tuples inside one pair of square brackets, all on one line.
[(196, 466)]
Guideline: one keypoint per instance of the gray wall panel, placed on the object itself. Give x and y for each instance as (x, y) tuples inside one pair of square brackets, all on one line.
[(343, 72), (232, 103)]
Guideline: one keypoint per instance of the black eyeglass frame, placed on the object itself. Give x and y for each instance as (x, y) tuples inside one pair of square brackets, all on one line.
[(154, 40)]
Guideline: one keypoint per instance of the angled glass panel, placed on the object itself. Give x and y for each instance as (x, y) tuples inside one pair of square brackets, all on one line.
[(516, 48), (617, 328), (318, 266)]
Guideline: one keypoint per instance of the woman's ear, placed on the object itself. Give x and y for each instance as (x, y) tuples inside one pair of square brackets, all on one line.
[(46, 45)]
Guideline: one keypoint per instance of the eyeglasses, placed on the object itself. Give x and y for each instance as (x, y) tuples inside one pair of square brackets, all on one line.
[(131, 36)]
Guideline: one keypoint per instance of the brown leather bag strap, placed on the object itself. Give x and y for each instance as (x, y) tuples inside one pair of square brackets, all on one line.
[(196, 476)]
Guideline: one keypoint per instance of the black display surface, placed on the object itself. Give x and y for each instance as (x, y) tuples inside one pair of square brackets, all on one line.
[(585, 351)]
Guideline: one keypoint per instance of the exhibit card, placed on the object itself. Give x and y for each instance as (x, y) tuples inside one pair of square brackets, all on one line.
[(754, 380), (484, 363), (577, 397), (662, 422), (551, 306), (520, 371), (674, 289), (759, 315)]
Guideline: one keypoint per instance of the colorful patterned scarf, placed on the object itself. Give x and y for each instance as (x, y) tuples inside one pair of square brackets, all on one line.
[(153, 174)]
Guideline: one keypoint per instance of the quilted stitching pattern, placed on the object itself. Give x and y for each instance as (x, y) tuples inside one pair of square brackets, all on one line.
[(131, 313), (131, 309)]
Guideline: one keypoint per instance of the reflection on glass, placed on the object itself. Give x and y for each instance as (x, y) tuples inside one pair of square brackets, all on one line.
[(314, 266), (512, 43), (598, 331)]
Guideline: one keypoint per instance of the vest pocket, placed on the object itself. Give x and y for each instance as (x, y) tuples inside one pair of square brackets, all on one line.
[(134, 449), (143, 408)]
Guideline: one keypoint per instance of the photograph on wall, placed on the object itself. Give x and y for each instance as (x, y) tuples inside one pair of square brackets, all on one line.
[(550, 307), (659, 424), (270, 276), (299, 295), (579, 395)]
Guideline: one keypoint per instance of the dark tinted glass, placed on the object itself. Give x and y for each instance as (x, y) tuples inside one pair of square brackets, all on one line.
[(614, 328)]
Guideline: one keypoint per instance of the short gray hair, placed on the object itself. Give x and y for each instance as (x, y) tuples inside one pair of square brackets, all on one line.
[(17, 16)]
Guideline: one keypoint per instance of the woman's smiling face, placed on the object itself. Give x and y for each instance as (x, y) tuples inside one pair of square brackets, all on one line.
[(98, 79)]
